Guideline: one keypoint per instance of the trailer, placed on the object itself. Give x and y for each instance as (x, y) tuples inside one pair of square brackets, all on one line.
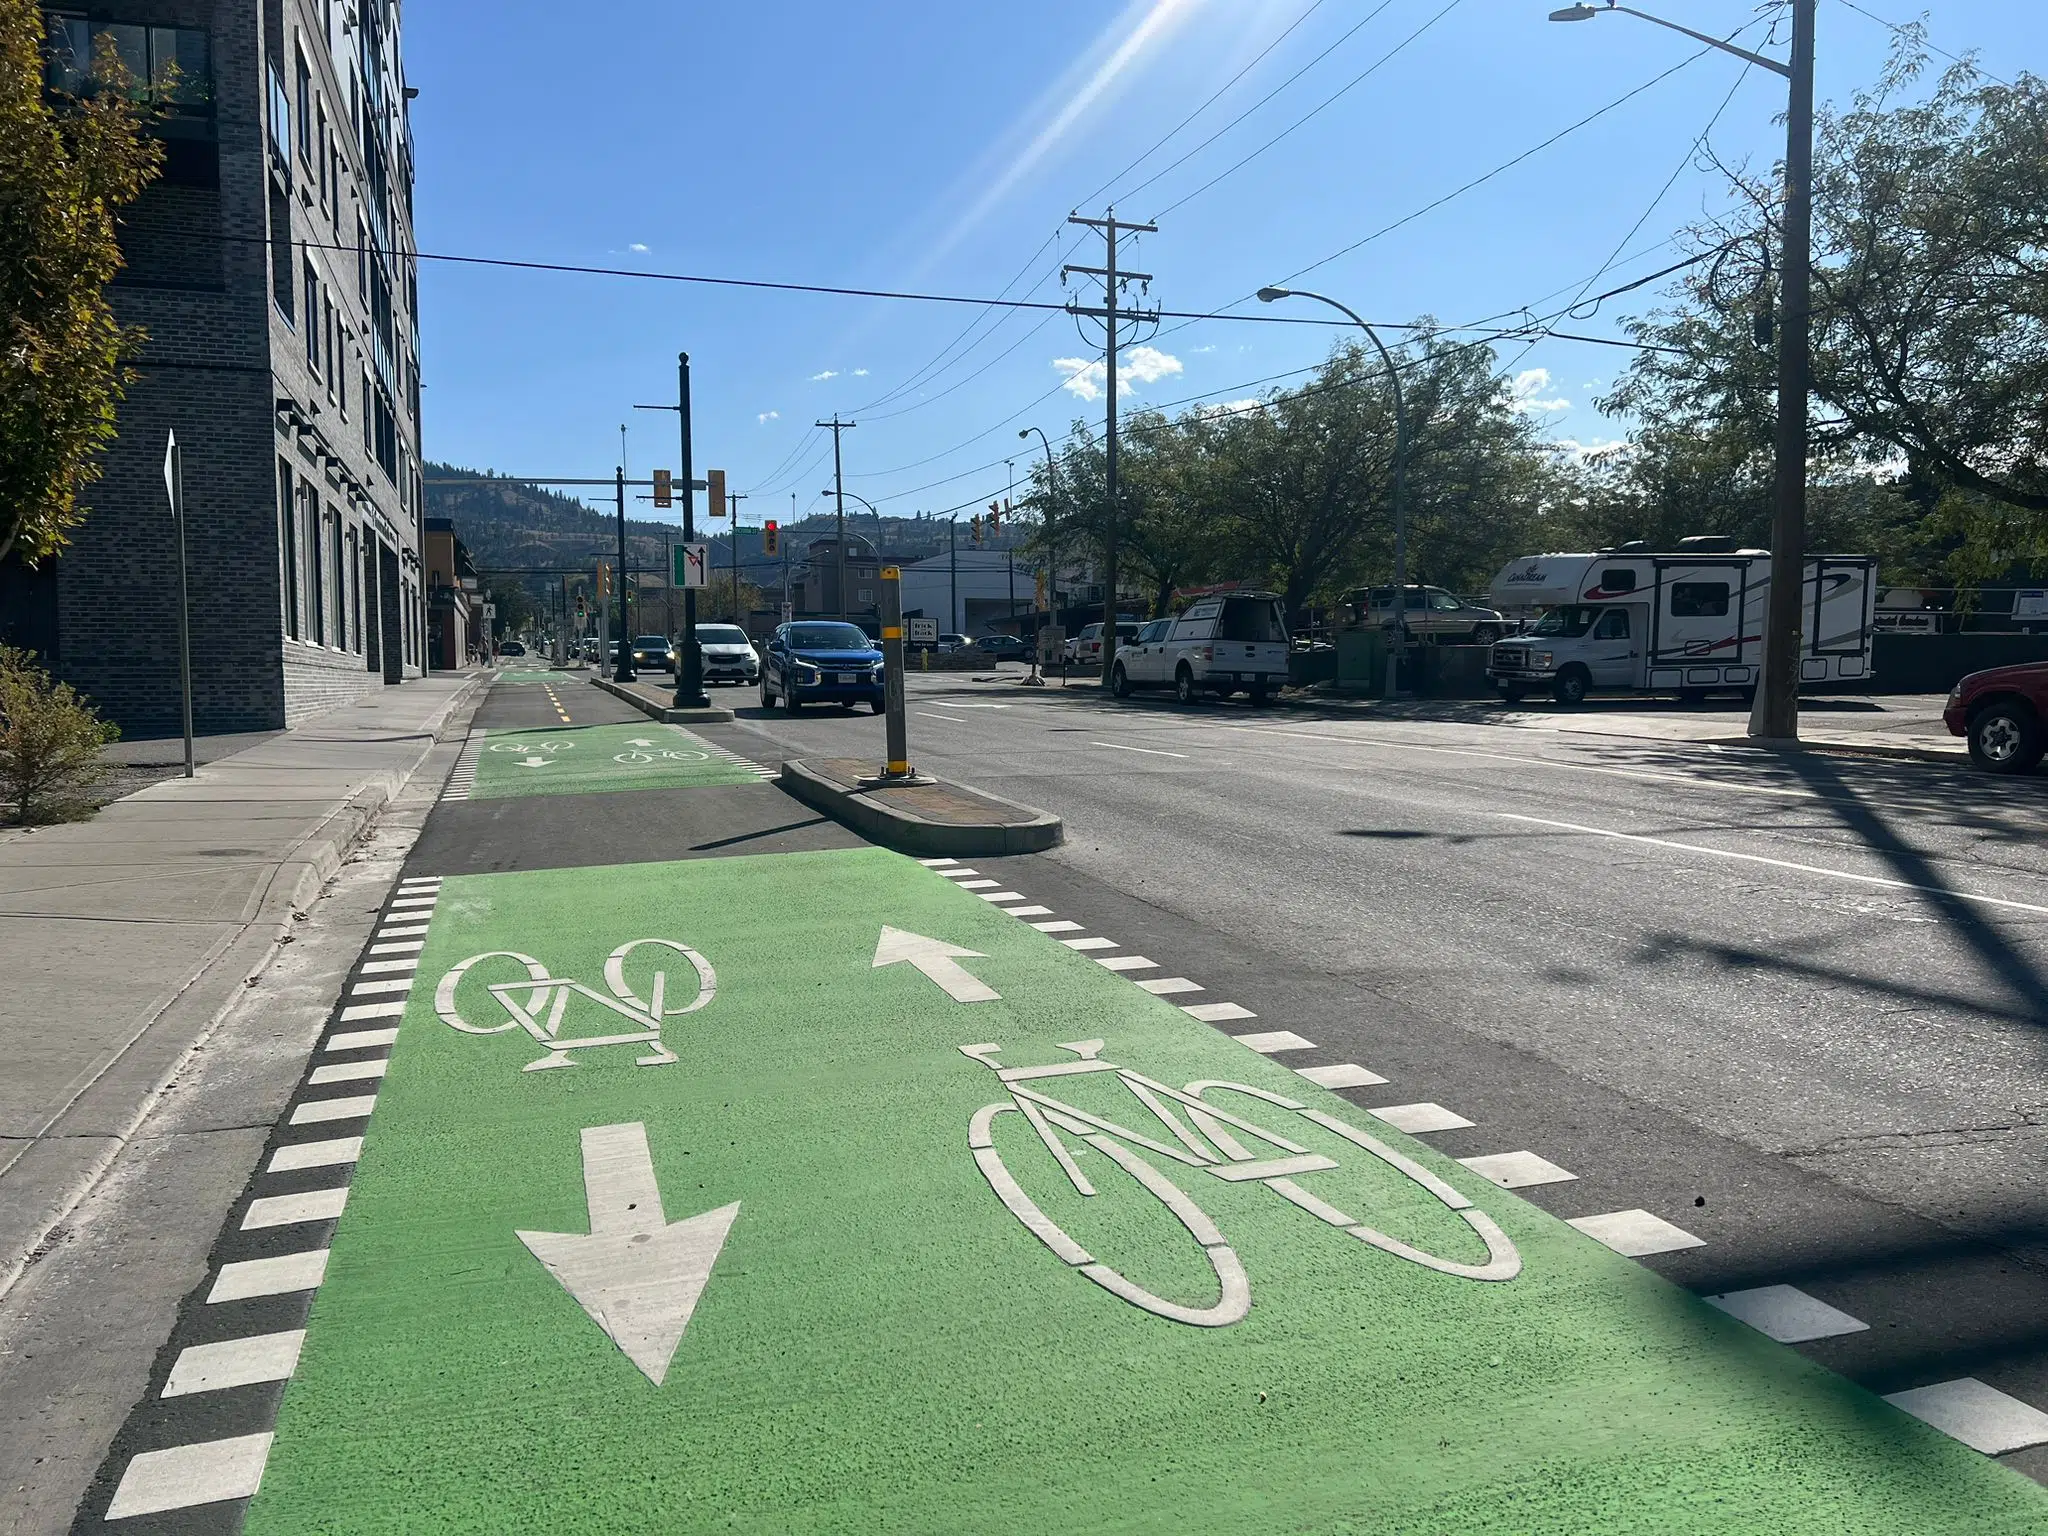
[(1689, 622)]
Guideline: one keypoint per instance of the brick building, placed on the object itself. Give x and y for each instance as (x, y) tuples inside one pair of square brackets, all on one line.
[(455, 598), (272, 268)]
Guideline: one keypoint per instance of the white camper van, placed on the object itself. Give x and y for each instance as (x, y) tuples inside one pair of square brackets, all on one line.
[(1691, 623)]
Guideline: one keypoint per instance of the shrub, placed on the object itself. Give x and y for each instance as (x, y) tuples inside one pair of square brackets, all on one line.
[(50, 743)]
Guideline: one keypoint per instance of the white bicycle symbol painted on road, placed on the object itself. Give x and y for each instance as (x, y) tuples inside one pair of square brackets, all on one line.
[(1205, 1137), (666, 754), (529, 747), (537, 1002)]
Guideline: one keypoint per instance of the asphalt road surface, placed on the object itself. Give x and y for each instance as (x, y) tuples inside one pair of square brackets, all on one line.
[(1794, 1006)]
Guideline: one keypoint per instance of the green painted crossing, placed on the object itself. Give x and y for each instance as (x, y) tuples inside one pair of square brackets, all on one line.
[(744, 1116), (596, 759)]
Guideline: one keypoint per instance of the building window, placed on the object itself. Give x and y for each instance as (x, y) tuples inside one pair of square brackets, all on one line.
[(355, 595), (333, 329), (280, 125), (339, 638), (312, 317), (320, 145), (305, 98), (171, 67), (288, 546), (369, 415), (341, 373), (316, 609), (281, 250), (362, 261)]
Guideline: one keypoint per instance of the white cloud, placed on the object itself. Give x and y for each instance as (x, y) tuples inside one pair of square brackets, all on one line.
[(1529, 390), (1140, 365), (1210, 348), (767, 416), (860, 373), (1596, 449), (829, 373), (1230, 408), (637, 248)]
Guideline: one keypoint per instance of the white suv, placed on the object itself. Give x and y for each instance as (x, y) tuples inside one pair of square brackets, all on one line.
[(1220, 646)]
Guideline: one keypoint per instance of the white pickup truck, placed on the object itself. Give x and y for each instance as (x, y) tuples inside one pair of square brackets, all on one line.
[(1234, 643)]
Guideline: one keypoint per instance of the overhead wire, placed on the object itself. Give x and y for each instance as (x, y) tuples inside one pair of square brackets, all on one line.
[(1919, 34)]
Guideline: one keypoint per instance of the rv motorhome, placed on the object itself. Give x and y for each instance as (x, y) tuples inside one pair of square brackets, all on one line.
[(1691, 623)]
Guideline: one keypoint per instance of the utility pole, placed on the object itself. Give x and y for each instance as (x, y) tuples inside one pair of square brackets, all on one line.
[(1775, 714), (1109, 313), (734, 498), (839, 498), (624, 672), (953, 574)]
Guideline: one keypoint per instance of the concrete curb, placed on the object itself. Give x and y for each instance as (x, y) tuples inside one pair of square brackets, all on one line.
[(661, 712), (105, 1113), (907, 832)]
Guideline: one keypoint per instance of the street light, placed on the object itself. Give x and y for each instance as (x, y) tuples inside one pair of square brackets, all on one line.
[(875, 513), (1775, 714), (1399, 653), (1052, 560)]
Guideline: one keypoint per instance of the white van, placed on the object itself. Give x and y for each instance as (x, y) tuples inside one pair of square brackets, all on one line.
[(1690, 623), (1235, 642)]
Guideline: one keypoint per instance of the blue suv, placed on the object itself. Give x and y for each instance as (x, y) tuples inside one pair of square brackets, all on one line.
[(819, 662)]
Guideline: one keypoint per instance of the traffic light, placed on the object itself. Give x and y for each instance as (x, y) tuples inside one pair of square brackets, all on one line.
[(664, 489), (604, 579), (771, 538), (995, 519), (977, 530), (714, 492), (579, 603)]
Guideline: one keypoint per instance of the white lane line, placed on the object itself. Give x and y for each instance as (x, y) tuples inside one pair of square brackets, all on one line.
[(1636, 1234), (949, 719), (389, 967), (960, 873), (414, 901), (373, 988), (1420, 1119), (317, 1154), (1002, 896), (1217, 1013), (1273, 1041), (395, 1010), (235, 1363), (1060, 925), (1346, 1074), (188, 1475), (976, 885), (1757, 858), (1787, 1314), (937, 863), (1085, 944), (1029, 911), (409, 947), (349, 1072), (281, 1276), (1167, 986), (321, 1111), (1128, 963), (360, 1039), (1979, 1415), (401, 933), (290, 1210), (1148, 751), (1517, 1170)]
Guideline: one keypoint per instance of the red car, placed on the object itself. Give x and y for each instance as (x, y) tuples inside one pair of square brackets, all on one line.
[(2004, 713)]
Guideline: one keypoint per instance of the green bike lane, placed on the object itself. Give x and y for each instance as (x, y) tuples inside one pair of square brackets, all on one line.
[(509, 762), (720, 1226)]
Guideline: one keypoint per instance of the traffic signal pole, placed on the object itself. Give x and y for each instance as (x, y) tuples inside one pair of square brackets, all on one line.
[(623, 672), (690, 670)]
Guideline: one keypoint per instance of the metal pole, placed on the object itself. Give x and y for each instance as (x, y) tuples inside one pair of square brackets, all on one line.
[(624, 672), (953, 575), (1775, 714), (897, 763), (175, 468), (1109, 607), (690, 673)]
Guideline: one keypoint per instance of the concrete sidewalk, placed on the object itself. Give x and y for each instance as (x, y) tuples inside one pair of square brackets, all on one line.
[(129, 935)]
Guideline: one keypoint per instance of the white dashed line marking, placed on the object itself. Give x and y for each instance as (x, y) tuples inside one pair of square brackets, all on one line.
[(1517, 1170), (1272, 1041), (1787, 1314), (1217, 1013), (188, 1475), (1636, 1234), (235, 1363), (1979, 1415), (1346, 1074), (1420, 1119), (283, 1276)]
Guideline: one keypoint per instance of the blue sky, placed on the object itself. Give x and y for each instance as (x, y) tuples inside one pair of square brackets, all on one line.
[(940, 147)]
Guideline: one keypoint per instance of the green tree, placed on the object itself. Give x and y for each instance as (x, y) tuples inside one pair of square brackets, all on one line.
[(67, 167), (1930, 298)]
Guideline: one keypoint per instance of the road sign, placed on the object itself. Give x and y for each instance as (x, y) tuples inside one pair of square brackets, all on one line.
[(664, 488), (923, 631), (1052, 645), (690, 565)]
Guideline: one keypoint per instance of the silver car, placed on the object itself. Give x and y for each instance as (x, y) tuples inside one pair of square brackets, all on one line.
[(1433, 614), (729, 656)]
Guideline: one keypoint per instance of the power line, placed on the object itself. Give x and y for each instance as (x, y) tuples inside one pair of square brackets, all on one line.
[(1350, 33), (1315, 111), (1918, 34), (1214, 97)]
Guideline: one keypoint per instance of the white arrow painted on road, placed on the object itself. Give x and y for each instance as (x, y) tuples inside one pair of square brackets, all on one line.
[(639, 741), (936, 958), (637, 1274)]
